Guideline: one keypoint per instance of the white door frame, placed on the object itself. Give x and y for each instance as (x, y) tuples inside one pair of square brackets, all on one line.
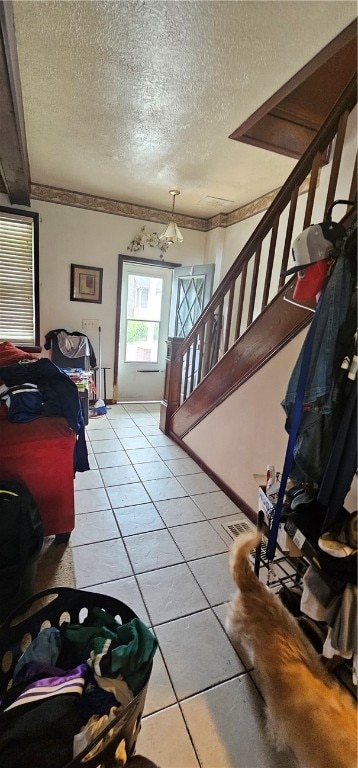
[(122, 259)]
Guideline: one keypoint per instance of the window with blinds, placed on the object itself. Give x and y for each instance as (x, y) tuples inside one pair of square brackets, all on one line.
[(19, 277)]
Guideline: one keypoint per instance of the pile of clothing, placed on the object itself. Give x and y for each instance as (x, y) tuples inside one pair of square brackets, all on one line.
[(33, 387), (68, 686)]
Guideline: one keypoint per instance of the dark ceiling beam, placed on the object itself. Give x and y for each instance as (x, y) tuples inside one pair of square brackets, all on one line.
[(14, 162)]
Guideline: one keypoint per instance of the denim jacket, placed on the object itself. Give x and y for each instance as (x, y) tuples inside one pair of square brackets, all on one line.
[(334, 306), (317, 425)]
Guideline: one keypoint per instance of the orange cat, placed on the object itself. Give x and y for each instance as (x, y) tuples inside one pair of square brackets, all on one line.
[(307, 710)]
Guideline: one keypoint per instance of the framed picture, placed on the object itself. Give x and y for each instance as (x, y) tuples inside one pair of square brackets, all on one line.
[(86, 283)]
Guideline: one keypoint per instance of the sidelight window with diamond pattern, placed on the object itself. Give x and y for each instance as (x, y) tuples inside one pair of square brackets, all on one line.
[(190, 299)]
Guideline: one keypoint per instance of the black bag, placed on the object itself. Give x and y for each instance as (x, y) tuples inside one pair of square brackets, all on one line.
[(21, 539)]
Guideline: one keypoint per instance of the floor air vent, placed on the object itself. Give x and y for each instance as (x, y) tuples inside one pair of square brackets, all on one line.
[(235, 527)]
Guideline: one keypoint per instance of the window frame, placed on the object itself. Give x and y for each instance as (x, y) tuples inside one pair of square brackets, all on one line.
[(36, 279)]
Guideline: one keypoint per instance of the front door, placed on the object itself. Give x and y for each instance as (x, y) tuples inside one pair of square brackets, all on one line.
[(144, 320)]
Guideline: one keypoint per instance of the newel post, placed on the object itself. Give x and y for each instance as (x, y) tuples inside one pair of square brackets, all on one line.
[(172, 384)]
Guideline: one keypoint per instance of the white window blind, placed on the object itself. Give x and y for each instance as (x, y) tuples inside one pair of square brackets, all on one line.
[(17, 300)]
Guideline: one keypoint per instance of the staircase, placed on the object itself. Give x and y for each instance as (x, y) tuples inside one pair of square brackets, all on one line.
[(248, 319)]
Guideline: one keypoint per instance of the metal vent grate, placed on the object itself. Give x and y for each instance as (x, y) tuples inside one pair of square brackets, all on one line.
[(235, 527)]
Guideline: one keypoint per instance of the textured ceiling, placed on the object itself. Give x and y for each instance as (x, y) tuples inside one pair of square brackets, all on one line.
[(127, 100)]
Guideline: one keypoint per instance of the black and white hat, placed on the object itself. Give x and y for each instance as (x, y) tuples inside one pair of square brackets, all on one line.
[(315, 243)]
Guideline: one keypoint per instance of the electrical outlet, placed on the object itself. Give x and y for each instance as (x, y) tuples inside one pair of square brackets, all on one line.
[(89, 325)]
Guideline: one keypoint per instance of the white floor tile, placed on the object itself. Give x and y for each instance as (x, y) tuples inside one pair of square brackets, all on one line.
[(104, 446), (198, 483), (134, 408), (103, 560), (197, 540), (91, 500), (119, 475), (126, 590), (160, 693), (183, 467), (170, 593), (124, 419), (134, 442), (213, 575), (127, 495), (149, 430), (112, 459), (144, 419), (140, 518), (114, 409), (152, 470), (171, 452), (86, 480), (94, 526), (102, 434), (141, 455), (197, 653), (164, 739), (96, 424), (161, 440), (216, 504), (149, 551), (179, 511), (226, 724), (165, 488), (125, 431)]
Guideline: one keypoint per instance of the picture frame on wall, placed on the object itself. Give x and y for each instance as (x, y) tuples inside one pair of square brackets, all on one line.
[(86, 283)]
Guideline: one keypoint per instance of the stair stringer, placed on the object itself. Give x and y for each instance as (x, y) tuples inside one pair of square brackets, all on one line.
[(275, 327)]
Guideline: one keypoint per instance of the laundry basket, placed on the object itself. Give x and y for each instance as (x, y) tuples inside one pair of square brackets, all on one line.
[(72, 605)]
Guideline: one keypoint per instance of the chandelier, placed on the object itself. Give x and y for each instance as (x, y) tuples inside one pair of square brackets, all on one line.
[(172, 234)]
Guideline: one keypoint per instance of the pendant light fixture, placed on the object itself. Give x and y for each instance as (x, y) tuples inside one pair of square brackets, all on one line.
[(172, 234)]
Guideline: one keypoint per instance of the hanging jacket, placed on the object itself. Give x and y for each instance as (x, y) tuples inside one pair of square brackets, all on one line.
[(55, 333)]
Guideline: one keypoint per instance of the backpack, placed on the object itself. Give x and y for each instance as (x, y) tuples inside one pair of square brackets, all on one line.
[(21, 539)]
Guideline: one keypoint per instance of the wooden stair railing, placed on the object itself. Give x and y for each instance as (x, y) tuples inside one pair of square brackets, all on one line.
[(254, 279)]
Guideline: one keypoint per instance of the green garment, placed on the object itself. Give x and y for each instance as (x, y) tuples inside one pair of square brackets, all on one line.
[(114, 649)]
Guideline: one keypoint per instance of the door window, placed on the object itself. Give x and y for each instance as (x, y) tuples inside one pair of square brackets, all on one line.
[(190, 300), (144, 302)]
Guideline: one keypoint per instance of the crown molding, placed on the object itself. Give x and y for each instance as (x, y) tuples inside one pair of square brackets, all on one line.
[(115, 207), (118, 208), (251, 209)]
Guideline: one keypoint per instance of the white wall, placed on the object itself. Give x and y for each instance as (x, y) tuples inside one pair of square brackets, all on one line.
[(78, 236), (248, 427)]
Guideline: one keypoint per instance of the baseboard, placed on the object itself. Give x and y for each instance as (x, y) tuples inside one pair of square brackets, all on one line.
[(250, 513)]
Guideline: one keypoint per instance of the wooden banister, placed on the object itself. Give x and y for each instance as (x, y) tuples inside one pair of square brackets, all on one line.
[(236, 304), (296, 178)]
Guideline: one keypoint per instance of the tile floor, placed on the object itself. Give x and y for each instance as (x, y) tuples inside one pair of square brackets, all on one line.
[(149, 532)]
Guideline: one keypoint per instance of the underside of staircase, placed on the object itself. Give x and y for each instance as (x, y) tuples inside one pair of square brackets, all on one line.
[(248, 319)]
